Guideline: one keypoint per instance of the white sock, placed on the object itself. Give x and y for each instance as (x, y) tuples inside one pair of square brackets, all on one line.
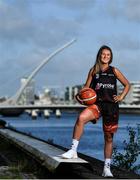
[(107, 162), (74, 144)]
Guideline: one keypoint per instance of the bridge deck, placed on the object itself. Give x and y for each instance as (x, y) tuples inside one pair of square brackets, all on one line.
[(48, 154), (59, 106)]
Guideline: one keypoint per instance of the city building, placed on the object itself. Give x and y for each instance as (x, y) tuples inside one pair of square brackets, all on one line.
[(28, 94), (45, 97), (71, 92), (133, 97)]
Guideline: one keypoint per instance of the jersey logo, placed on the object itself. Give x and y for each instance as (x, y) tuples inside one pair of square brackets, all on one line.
[(110, 74), (97, 76), (104, 86), (104, 74)]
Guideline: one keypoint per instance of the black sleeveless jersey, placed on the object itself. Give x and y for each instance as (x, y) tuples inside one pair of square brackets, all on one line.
[(105, 85)]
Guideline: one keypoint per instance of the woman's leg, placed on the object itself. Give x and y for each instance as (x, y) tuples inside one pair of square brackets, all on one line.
[(108, 149), (84, 117)]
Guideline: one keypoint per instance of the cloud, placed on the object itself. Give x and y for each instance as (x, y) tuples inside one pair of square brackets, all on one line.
[(19, 27), (121, 42), (15, 21), (75, 5), (114, 8), (79, 8), (128, 9), (25, 40), (132, 10), (32, 29), (69, 68), (17, 24), (126, 52)]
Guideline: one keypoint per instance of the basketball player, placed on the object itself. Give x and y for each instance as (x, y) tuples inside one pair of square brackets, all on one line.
[(103, 79)]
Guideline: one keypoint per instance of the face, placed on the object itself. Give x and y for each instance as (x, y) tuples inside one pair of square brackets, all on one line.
[(105, 56)]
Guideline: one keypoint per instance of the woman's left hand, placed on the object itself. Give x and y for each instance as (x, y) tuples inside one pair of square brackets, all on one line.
[(117, 98)]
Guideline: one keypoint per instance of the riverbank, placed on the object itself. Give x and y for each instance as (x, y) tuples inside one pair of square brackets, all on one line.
[(59, 131), (18, 164), (26, 164)]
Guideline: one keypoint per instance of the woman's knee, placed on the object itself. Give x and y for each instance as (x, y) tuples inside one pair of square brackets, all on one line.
[(108, 137), (81, 119)]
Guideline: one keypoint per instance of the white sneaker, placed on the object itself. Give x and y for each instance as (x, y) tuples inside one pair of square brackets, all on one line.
[(70, 154), (107, 172)]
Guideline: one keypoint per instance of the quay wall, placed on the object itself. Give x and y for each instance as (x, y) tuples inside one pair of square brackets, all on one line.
[(73, 170)]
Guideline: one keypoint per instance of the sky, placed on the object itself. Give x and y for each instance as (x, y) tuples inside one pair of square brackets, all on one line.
[(30, 30)]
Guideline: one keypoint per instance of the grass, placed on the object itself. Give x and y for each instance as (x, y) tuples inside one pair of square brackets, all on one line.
[(19, 164)]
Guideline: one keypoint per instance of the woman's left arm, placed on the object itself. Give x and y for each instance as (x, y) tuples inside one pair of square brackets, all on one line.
[(124, 82)]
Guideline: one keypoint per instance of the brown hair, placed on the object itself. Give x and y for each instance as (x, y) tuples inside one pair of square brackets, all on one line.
[(97, 65)]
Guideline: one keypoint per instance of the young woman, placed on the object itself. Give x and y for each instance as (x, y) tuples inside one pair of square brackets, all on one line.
[(103, 79)]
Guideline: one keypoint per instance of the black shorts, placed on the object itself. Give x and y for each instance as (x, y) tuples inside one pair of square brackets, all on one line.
[(110, 114)]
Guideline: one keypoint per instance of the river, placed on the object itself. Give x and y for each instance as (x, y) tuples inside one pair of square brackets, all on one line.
[(59, 130)]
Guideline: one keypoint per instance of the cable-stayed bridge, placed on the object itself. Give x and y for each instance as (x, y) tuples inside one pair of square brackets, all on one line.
[(11, 104)]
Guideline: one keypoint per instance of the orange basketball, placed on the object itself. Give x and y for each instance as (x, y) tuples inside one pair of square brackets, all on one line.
[(88, 96)]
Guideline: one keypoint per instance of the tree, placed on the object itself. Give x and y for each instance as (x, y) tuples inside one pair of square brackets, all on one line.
[(127, 159)]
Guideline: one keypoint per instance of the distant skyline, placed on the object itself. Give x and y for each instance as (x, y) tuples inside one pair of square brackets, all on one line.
[(32, 29)]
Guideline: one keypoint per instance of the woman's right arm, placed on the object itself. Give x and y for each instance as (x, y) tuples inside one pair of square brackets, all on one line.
[(86, 85), (89, 78)]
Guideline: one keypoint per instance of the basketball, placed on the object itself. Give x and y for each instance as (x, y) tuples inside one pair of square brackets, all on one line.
[(88, 96)]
